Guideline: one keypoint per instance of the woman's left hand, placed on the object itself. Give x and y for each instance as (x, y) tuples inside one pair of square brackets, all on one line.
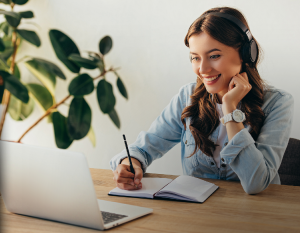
[(238, 88)]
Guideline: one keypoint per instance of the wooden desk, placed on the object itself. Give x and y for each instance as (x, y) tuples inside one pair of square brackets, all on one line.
[(229, 209)]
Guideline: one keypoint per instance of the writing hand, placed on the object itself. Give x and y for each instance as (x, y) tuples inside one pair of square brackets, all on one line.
[(125, 179)]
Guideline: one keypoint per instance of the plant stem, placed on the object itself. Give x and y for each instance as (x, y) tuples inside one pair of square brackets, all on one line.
[(6, 94), (55, 106)]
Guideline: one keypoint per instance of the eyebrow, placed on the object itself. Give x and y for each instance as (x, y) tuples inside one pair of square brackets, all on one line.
[(212, 50)]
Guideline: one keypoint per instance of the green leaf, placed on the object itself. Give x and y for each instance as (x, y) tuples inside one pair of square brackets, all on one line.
[(98, 60), (14, 108), (12, 18), (17, 72), (7, 53), (20, 2), (2, 46), (3, 65), (38, 69), (121, 86), (1, 90), (10, 13), (41, 95), (50, 67), (91, 136), (62, 137), (64, 47), (83, 62), (115, 118), (4, 26), (5, 1), (19, 110), (26, 14), (27, 109), (15, 87), (81, 85), (105, 95), (79, 119), (105, 45), (30, 36)]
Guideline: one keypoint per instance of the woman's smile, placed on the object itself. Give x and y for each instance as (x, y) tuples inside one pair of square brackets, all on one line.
[(210, 80)]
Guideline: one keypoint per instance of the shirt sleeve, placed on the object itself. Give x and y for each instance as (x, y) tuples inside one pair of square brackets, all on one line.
[(163, 134), (257, 162)]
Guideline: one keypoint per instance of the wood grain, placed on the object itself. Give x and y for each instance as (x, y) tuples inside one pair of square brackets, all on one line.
[(229, 209)]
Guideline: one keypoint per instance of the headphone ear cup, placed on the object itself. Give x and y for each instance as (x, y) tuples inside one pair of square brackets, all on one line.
[(253, 51), (246, 52)]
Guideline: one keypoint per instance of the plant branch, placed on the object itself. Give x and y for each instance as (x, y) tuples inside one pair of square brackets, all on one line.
[(55, 106)]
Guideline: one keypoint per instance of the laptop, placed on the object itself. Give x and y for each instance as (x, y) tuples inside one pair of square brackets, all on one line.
[(56, 184)]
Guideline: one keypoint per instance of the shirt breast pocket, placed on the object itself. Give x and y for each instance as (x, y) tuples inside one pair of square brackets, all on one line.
[(189, 142)]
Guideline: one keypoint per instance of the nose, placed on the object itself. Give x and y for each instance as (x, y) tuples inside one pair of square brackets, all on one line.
[(204, 67)]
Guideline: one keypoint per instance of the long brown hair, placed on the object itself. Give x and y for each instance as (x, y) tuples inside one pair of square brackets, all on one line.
[(203, 113)]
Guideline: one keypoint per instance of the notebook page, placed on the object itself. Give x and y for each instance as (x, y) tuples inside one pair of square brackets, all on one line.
[(150, 186), (189, 186)]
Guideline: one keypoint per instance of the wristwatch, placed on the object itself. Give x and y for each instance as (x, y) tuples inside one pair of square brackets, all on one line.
[(237, 116)]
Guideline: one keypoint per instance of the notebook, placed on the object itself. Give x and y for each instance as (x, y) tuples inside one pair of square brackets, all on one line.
[(183, 188)]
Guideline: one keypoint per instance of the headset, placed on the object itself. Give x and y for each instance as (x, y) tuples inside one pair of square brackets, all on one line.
[(249, 50)]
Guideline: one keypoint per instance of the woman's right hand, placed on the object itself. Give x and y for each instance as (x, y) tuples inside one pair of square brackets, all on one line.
[(125, 179)]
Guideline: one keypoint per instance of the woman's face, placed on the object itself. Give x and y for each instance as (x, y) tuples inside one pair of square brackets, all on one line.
[(214, 62)]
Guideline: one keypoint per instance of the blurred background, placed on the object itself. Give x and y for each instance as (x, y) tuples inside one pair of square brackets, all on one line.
[(149, 49)]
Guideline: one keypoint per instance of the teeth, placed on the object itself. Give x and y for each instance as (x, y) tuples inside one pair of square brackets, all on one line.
[(212, 78)]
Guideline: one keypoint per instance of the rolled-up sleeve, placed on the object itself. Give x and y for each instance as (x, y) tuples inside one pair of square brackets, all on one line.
[(163, 134), (256, 163)]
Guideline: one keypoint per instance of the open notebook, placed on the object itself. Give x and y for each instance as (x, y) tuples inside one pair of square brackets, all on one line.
[(184, 188)]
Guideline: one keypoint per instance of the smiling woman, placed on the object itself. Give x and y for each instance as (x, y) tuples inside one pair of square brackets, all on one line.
[(231, 125)]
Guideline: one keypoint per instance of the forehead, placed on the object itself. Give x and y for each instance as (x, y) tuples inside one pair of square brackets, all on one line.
[(202, 43)]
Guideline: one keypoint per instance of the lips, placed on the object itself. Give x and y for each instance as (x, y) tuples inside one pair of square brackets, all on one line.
[(212, 79)]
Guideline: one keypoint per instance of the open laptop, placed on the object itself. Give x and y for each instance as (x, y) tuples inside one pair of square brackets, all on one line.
[(56, 184)]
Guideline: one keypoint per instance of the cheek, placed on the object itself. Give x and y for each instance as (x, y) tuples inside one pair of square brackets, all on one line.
[(231, 68), (195, 69)]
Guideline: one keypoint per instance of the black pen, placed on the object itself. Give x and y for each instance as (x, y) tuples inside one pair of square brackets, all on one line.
[(128, 155)]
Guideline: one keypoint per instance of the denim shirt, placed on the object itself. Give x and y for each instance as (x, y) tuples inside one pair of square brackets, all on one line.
[(254, 163)]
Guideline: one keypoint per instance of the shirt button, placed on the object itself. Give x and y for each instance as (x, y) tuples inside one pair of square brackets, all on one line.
[(212, 163), (185, 141), (223, 165), (225, 143), (223, 160)]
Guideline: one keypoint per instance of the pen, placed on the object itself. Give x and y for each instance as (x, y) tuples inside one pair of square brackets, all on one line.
[(128, 155)]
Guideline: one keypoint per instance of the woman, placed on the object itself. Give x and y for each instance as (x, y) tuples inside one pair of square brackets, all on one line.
[(231, 125)]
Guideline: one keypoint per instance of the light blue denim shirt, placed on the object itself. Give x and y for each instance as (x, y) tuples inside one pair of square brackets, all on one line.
[(254, 163)]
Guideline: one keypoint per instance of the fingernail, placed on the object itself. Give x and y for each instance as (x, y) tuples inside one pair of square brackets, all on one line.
[(139, 186), (137, 181)]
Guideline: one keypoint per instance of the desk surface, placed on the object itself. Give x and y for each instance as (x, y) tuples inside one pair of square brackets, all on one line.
[(229, 209)]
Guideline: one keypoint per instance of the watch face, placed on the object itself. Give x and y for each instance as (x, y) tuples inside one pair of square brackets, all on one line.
[(238, 116)]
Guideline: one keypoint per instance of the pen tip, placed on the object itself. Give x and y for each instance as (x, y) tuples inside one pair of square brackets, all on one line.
[(124, 137)]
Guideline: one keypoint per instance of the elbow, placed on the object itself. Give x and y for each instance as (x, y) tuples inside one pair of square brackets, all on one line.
[(252, 188)]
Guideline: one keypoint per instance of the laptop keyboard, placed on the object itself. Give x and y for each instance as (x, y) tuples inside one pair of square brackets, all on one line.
[(111, 217)]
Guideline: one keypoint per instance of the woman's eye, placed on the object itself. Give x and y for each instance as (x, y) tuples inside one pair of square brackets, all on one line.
[(214, 56), (195, 58)]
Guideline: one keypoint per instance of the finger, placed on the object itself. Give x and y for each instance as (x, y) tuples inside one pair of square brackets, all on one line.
[(245, 82), (123, 180), (231, 84), (129, 187), (122, 171), (138, 175), (243, 76)]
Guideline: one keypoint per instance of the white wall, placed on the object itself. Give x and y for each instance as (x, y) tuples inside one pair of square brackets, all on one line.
[(148, 46)]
